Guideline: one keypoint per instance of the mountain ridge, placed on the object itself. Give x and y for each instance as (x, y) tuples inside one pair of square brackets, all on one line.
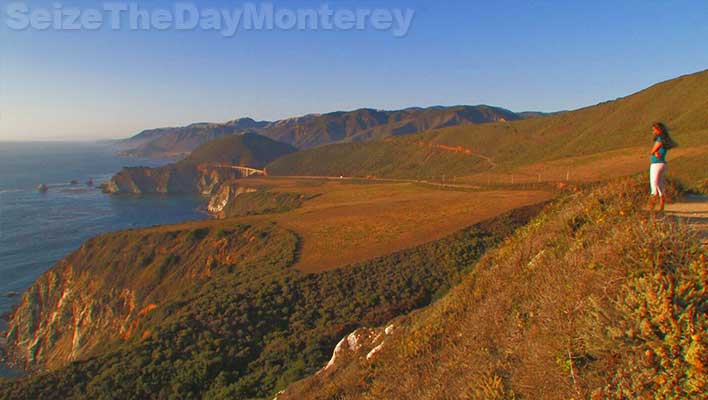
[(313, 130), (508, 146)]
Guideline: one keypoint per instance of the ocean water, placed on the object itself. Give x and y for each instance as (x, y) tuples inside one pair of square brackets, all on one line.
[(38, 229)]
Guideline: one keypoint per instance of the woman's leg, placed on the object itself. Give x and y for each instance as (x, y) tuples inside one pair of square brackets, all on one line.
[(662, 186), (654, 183)]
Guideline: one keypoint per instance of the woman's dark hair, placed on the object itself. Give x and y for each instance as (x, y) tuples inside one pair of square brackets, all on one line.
[(666, 139)]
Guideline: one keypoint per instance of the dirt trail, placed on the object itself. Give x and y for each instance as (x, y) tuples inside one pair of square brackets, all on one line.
[(693, 210)]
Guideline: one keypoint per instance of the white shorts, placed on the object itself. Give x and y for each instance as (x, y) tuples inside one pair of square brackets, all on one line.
[(656, 178)]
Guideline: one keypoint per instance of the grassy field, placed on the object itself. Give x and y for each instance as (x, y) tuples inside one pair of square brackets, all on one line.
[(348, 222)]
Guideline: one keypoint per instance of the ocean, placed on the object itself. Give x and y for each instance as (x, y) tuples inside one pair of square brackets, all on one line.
[(38, 229)]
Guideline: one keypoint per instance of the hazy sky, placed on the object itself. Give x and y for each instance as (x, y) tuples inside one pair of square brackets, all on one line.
[(522, 55)]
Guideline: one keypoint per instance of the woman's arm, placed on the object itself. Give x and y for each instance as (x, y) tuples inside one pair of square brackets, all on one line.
[(656, 147)]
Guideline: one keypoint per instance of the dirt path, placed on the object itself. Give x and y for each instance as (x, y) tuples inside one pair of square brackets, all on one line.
[(693, 210)]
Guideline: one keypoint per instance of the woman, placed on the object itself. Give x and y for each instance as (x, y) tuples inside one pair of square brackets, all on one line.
[(662, 144)]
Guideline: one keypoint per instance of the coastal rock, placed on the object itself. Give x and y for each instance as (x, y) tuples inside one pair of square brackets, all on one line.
[(203, 179)]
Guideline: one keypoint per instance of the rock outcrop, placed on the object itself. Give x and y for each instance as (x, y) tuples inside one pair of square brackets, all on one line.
[(362, 346), (203, 179), (226, 194), (205, 170)]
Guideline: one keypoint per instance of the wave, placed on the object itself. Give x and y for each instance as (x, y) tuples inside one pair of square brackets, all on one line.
[(10, 190)]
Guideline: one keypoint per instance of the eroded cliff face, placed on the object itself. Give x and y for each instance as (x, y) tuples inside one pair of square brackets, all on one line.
[(203, 179), (226, 194), (62, 315), (107, 291)]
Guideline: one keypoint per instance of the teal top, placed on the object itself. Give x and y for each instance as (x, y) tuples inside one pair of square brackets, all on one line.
[(662, 153)]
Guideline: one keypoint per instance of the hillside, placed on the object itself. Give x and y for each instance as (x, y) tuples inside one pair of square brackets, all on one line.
[(593, 299), (178, 142), (402, 158), (622, 124), (213, 309), (204, 170), (246, 150), (315, 130)]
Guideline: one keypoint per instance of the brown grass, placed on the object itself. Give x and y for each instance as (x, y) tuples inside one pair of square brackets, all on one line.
[(591, 168), (353, 222)]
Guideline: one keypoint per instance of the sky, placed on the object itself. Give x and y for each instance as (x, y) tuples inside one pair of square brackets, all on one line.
[(521, 55)]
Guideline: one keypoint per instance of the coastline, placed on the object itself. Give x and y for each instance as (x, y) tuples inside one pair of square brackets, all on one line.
[(39, 229)]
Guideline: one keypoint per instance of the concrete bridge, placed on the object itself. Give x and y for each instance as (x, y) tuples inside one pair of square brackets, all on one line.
[(246, 171)]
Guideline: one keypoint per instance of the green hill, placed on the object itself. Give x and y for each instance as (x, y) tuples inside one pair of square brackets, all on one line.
[(246, 150), (400, 158), (619, 124)]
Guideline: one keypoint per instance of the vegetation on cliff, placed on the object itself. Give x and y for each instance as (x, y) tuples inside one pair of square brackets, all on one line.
[(216, 312), (593, 299), (263, 202)]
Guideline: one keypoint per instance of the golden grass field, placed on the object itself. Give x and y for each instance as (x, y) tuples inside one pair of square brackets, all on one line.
[(354, 221), (590, 168)]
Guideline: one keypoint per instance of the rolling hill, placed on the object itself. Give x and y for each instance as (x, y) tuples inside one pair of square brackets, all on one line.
[(508, 146), (315, 130), (245, 150)]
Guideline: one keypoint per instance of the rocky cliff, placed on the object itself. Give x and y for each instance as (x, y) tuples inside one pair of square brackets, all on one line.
[(226, 195), (205, 170), (107, 291), (203, 179)]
